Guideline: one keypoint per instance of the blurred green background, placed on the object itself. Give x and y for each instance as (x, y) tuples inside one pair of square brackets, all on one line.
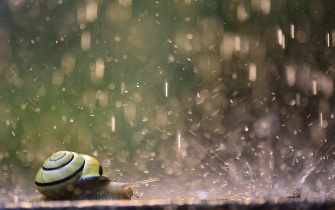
[(220, 99)]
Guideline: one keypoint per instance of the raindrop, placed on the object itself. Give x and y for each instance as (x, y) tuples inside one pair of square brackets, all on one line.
[(166, 88), (292, 30)]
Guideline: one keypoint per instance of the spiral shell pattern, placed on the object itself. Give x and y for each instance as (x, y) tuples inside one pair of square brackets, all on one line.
[(70, 163), (68, 175), (59, 173)]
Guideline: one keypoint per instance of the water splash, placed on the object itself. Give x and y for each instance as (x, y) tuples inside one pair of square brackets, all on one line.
[(311, 166)]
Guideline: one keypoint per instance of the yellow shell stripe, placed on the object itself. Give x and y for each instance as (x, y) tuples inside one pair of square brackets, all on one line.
[(60, 180), (46, 166)]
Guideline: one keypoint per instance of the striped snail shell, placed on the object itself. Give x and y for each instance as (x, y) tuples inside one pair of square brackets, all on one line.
[(68, 175)]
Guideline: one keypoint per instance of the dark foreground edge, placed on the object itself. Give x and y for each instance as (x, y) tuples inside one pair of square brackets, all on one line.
[(255, 204)]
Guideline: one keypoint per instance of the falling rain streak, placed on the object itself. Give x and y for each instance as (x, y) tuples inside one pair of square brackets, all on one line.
[(281, 38), (315, 90), (85, 40), (123, 88), (112, 123), (166, 88), (298, 99), (99, 68), (247, 96), (252, 72), (290, 76), (178, 139), (292, 31)]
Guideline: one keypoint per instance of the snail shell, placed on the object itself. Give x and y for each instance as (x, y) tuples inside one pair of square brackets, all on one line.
[(68, 175)]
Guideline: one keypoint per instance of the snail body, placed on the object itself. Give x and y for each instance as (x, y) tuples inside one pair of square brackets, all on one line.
[(68, 175)]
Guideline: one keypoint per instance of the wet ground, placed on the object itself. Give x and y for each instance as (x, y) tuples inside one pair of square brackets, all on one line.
[(255, 204)]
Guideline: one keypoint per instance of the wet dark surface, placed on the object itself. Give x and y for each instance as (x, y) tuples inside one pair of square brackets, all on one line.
[(255, 204)]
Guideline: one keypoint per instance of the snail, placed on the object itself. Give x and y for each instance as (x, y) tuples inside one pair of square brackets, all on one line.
[(68, 175)]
